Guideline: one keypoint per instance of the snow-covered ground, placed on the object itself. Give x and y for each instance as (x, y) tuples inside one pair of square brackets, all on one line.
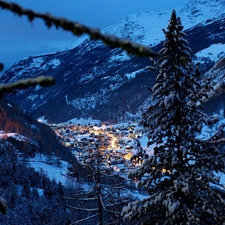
[(56, 170), (49, 167)]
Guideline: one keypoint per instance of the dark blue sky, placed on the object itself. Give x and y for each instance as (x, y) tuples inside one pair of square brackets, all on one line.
[(20, 39)]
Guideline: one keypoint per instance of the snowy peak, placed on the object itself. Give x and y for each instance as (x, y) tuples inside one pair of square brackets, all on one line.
[(203, 5), (200, 10), (93, 80), (197, 4), (146, 27)]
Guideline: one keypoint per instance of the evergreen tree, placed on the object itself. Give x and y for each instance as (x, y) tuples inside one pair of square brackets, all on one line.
[(182, 169)]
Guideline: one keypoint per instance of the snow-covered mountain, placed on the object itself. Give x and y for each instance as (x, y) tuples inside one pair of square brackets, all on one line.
[(93, 80)]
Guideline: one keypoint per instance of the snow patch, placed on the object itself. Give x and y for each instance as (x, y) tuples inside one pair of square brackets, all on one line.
[(67, 102), (133, 74), (120, 58), (42, 119), (36, 62), (105, 78), (55, 63), (57, 173), (213, 52), (77, 42), (82, 121)]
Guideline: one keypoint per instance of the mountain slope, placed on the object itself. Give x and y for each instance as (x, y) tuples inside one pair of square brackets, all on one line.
[(96, 81), (217, 96), (30, 137)]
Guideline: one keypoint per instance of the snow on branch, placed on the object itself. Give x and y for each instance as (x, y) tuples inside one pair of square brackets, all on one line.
[(26, 83), (215, 138), (79, 29)]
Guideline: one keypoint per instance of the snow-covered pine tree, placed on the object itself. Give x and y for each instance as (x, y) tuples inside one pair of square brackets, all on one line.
[(182, 169)]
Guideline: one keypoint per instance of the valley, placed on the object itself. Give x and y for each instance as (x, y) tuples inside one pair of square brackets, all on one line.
[(94, 80), (111, 147), (155, 137)]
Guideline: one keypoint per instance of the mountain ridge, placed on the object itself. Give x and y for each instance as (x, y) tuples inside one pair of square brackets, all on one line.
[(96, 81)]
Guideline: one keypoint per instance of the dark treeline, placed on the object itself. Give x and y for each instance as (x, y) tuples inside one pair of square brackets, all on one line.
[(13, 119), (32, 197)]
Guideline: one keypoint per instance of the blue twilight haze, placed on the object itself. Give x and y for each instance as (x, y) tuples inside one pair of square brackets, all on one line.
[(20, 39)]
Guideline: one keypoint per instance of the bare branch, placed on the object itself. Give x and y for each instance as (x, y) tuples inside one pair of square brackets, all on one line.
[(87, 199), (211, 141), (216, 141), (80, 199), (114, 222), (79, 29), (87, 218), (102, 203), (83, 209), (111, 205)]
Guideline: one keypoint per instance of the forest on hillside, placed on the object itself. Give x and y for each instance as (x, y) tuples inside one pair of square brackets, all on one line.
[(180, 177)]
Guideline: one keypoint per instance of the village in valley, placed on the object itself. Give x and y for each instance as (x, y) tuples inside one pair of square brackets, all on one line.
[(116, 149)]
